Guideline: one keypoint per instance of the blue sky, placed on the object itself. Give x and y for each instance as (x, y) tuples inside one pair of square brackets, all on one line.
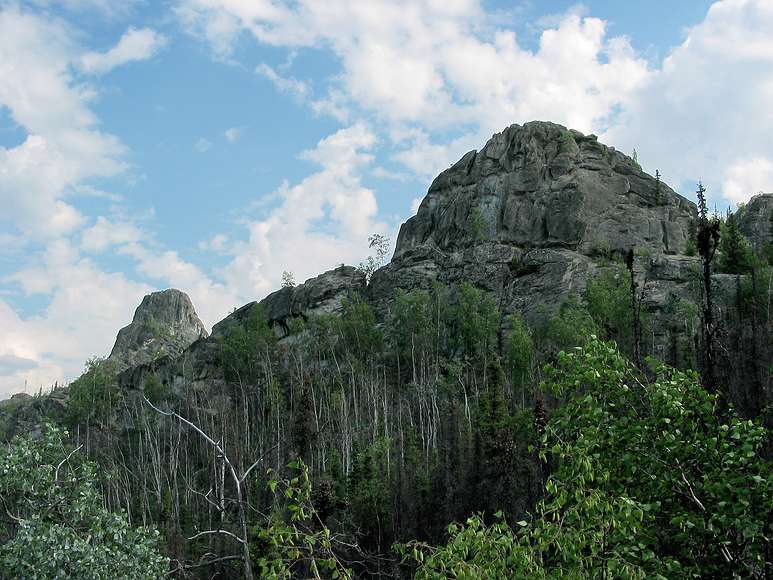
[(209, 145)]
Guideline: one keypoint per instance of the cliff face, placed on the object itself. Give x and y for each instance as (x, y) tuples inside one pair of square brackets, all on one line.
[(542, 186), (755, 221), (164, 324), (532, 214)]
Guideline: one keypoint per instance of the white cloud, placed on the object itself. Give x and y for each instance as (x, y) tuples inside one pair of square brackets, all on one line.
[(202, 145), (451, 66), (286, 85), (707, 112), (232, 134), (106, 233), (63, 146), (86, 308), (212, 300), (747, 177), (217, 243), (135, 45), (63, 149), (109, 8), (439, 65), (323, 220)]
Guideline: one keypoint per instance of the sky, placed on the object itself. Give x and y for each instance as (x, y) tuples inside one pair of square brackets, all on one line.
[(210, 145)]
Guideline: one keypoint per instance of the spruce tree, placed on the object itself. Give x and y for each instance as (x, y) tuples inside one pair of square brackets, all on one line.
[(708, 241), (735, 256)]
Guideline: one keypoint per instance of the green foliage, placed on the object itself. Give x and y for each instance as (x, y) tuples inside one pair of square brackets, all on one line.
[(478, 225), (246, 346), (412, 322), (474, 550), (156, 391), (57, 527), (369, 489), (381, 244), (704, 491), (608, 299), (478, 318), (567, 139), (288, 279), (569, 327), (296, 543), (735, 255), (600, 248), (95, 395), (519, 354), (648, 485), (358, 327)]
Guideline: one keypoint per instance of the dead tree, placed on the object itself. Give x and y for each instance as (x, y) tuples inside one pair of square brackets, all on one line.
[(238, 479)]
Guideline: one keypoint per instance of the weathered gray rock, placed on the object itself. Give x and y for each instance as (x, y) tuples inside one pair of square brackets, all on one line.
[(164, 324), (529, 217), (755, 221), (198, 365), (542, 186), (322, 294)]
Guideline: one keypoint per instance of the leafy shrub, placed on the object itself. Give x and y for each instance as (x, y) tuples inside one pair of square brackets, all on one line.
[(57, 527)]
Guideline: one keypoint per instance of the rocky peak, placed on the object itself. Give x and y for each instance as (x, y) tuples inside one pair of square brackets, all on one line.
[(755, 221), (165, 323), (540, 185)]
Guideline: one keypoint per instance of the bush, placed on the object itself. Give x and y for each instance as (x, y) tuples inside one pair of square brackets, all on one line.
[(57, 527)]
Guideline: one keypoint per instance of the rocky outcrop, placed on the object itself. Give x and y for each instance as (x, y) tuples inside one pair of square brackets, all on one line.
[(198, 366), (322, 294), (529, 216), (755, 221), (542, 186), (164, 324)]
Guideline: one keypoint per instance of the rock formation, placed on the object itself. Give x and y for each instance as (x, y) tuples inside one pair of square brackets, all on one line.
[(164, 324), (528, 217), (531, 214), (755, 221)]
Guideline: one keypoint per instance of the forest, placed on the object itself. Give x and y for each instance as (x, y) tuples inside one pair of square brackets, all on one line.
[(438, 439)]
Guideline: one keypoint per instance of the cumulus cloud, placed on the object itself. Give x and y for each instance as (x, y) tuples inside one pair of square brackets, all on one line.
[(213, 300), (106, 233), (86, 307), (319, 222), (706, 114), (451, 71), (438, 66), (136, 44), (63, 150), (64, 145), (748, 177)]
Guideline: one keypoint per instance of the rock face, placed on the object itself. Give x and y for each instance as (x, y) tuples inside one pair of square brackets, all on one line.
[(528, 216), (320, 295), (164, 324), (755, 221), (198, 365), (542, 186)]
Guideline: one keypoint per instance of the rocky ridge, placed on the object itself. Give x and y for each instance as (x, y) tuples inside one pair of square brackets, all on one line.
[(529, 217)]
